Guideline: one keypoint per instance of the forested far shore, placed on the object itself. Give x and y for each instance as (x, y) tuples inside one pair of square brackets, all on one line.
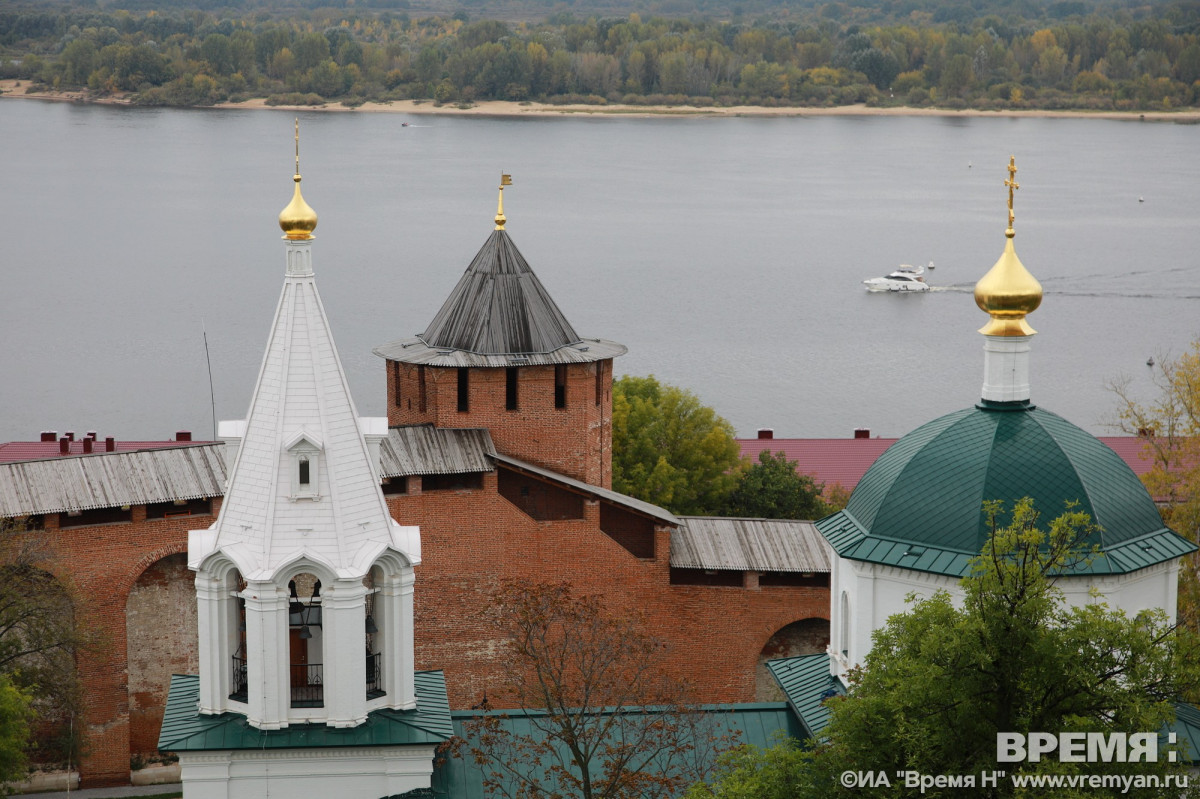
[(1022, 56)]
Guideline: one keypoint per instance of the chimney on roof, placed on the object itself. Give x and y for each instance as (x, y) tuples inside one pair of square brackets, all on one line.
[(183, 435), (862, 432), (110, 444), (766, 432), (49, 435), (91, 434), (87, 445), (70, 435), (64, 446)]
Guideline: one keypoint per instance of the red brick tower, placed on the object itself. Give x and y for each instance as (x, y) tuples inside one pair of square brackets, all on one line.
[(500, 355)]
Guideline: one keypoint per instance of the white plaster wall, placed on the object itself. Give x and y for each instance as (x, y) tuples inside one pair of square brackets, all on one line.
[(878, 592), (875, 593), (306, 773)]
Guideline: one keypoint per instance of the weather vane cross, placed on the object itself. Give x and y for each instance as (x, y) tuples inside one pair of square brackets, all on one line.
[(505, 180), (1012, 184), (298, 151)]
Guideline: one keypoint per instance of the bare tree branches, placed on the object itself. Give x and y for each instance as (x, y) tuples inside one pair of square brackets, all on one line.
[(596, 715)]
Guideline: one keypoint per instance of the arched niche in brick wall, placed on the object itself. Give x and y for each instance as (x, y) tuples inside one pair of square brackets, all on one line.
[(804, 637), (160, 624)]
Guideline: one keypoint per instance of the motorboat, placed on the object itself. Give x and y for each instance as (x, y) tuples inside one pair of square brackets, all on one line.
[(905, 278)]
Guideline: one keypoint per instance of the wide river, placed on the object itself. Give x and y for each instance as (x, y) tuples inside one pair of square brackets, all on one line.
[(727, 254)]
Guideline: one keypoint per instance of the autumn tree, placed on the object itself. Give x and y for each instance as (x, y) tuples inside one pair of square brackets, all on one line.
[(596, 714), (943, 678), (1170, 426), (773, 489), (670, 449)]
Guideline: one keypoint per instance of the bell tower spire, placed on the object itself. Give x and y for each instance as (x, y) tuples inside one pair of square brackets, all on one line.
[(304, 549)]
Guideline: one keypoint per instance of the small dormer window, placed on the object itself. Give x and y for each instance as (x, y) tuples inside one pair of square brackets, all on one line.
[(304, 453)]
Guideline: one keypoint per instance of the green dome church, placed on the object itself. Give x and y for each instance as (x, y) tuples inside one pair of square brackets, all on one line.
[(915, 521)]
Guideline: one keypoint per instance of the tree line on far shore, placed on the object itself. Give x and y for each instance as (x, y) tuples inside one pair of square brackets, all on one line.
[(1132, 59)]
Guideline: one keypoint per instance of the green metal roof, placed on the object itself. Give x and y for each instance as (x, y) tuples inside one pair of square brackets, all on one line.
[(807, 683), (758, 724), (184, 729), (920, 506), (1187, 727)]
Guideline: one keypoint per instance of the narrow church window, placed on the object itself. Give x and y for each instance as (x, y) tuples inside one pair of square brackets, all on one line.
[(421, 389), (599, 383), (464, 390), (510, 388), (396, 383), (560, 386), (306, 468)]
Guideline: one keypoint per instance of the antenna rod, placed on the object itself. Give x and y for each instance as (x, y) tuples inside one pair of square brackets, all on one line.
[(211, 394)]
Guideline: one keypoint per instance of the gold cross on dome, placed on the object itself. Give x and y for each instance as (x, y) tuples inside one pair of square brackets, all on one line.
[(298, 148), (1012, 185)]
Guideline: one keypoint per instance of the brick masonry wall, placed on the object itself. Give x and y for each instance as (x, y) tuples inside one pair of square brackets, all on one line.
[(140, 597), (160, 620), (575, 440), (106, 564), (471, 540)]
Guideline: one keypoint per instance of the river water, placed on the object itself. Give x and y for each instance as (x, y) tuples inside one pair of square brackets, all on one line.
[(727, 254)]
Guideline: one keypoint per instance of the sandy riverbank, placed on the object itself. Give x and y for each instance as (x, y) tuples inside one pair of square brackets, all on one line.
[(498, 108)]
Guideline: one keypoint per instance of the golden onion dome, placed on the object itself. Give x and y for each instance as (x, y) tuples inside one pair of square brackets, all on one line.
[(297, 220), (1008, 291)]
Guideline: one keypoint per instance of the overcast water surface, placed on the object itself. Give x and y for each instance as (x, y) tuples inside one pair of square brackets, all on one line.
[(727, 254)]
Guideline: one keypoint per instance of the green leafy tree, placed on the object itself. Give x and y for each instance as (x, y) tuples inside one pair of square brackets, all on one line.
[(598, 714), (942, 680), (15, 717), (780, 771), (670, 449), (1170, 426), (773, 489)]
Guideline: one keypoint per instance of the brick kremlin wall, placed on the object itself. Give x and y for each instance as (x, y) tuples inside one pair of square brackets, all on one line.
[(106, 564), (575, 440), (471, 540), (139, 595)]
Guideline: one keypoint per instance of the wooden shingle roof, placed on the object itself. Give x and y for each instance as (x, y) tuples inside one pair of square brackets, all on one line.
[(83, 482), (425, 449), (499, 314), (499, 307), (765, 545)]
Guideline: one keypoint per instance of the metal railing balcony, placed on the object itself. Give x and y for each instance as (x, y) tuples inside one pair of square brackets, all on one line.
[(308, 685), (238, 683), (374, 676)]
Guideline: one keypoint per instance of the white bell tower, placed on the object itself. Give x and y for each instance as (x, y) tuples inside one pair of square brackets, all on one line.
[(305, 582)]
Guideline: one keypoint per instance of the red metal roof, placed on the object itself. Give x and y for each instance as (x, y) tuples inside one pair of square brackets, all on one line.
[(14, 451), (843, 461)]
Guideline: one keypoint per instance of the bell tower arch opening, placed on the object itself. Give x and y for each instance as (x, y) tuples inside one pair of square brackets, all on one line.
[(305, 641)]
